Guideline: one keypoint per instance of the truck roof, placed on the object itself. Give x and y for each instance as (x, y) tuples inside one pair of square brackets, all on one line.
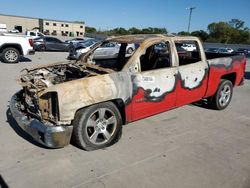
[(139, 38)]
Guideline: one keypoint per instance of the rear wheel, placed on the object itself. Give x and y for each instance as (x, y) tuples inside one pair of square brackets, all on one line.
[(97, 126), (11, 55), (130, 50), (223, 95)]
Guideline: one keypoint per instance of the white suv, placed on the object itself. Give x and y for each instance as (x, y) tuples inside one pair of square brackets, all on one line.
[(14, 46), (189, 47)]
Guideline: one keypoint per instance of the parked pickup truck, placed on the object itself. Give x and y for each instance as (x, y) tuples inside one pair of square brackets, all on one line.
[(12, 47), (90, 99)]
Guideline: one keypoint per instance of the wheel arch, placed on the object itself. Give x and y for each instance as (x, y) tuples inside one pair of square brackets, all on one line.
[(119, 103), (231, 77), (12, 45)]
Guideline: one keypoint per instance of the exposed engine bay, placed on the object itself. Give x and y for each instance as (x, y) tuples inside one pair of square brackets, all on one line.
[(44, 77), (44, 107), (38, 102)]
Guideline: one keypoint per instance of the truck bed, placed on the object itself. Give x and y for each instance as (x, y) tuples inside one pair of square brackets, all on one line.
[(210, 55), (227, 66)]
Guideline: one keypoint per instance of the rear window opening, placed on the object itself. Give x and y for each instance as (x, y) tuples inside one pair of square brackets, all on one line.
[(188, 52)]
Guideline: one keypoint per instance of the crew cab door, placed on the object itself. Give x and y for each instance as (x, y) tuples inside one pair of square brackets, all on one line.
[(154, 85), (192, 71)]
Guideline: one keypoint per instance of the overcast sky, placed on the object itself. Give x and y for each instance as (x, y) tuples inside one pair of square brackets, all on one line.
[(109, 14)]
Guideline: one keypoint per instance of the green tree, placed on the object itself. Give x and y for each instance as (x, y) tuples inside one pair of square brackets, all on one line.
[(160, 31), (90, 29), (183, 33), (203, 35), (219, 32), (119, 31), (134, 30), (236, 23), (148, 30), (233, 31)]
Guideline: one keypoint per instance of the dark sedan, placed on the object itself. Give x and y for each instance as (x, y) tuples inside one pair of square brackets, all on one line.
[(51, 44), (243, 51)]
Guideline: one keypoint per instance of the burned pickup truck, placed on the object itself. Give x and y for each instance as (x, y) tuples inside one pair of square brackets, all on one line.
[(90, 99)]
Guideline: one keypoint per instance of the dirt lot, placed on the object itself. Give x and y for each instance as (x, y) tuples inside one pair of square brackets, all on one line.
[(186, 147)]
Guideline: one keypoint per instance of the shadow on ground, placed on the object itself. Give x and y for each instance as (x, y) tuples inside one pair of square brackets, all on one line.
[(19, 131), (25, 59), (247, 75), (202, 104), (22, 60), (3, 184)]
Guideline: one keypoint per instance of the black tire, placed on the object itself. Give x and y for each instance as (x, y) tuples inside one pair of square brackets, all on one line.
[(70, 48), (130, 50), (41, 48), (223, 95), (11, 55), (92, 132)]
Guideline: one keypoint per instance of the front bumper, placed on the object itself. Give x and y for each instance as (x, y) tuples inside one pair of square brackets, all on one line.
[(47, 135), (73, 55)]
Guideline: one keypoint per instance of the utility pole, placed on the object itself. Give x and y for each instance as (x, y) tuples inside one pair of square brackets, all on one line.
[(190, 15)]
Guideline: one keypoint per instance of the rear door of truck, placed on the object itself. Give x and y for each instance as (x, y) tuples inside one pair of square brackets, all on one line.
[(192, 71)]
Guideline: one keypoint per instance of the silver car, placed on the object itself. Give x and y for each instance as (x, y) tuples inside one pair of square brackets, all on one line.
[(107, 50)]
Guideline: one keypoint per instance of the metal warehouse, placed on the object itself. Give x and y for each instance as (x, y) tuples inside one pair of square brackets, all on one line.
[(47, 26)]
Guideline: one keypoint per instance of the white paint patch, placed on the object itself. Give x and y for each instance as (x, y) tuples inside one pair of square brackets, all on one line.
[(158, 84), (227, 61), (192, 76)]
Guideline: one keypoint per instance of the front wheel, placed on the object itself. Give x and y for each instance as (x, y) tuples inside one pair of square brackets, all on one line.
[(223, 95), (97, 126), (11, 55)]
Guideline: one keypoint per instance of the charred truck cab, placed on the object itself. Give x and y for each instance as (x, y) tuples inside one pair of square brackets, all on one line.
[(90, 99)]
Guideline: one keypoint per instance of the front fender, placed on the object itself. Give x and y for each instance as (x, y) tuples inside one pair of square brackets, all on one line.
[(77, 94)]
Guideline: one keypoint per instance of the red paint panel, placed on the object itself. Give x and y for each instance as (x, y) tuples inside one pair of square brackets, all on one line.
[(142, 109), (216, 72), (186, 96), (139, 108), (128, 112)]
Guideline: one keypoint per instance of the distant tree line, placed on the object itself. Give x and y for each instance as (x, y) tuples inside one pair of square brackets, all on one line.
[(233, 32), (123, 31)]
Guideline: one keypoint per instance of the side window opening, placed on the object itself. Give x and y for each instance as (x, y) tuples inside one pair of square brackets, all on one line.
[(115, 58), (188, 52), (32, 34), (156, 56)]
